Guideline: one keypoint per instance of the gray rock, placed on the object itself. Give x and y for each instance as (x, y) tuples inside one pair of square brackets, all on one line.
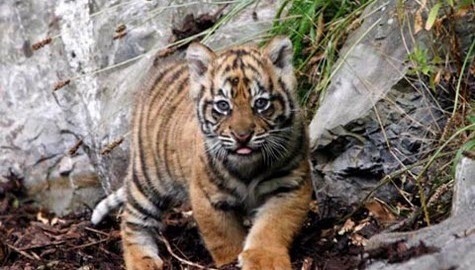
[(372, 123), (454, 237), (38, 126), (372, 61)]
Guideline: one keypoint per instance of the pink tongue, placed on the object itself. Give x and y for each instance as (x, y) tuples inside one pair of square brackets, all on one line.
[(244, 151)]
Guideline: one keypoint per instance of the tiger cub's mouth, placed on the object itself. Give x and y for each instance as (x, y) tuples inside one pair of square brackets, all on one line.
[(244, 150)]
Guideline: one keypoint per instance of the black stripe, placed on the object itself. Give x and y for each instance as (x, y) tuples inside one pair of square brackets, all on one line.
[(143, 166), (138, 184), (278, 98), (164, 121), (160, 78), (236, 62), (258, 169), (296, 151), (271, 85), (162, 126), (284, 122), (216, 177), (239, 52), (251, 67), (257, 59), (200, 69), (280, 191), (211, 87), (222, 205), (289, 97), (284, 87), (173, 78), (261, 88), (295, 155), (135, 204), (200, 94), (138, 226), (131, 212), (278, 174), (153, 197), (183, 84), (163, 73), (165, 202), (142, 122)]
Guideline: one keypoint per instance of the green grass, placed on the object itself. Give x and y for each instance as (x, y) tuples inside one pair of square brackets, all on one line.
[(318, 29)]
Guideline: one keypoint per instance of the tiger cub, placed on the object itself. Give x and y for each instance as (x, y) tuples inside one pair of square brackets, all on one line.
[(224, 132)]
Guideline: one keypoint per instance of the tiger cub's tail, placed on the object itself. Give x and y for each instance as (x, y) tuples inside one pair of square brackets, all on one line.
[(107, 204)]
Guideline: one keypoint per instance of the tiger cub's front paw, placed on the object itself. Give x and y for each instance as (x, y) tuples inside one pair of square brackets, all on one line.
[(255, 259), (143, 263), (146, 264)]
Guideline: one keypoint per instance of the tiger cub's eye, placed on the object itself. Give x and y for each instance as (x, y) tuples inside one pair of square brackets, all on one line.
[(222, 106), (261, 103)]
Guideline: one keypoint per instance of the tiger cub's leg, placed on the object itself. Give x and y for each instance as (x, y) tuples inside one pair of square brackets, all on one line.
[(274, 227), (222, 232), (139, 245)]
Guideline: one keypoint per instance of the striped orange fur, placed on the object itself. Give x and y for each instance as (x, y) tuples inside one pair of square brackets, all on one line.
[(224, 132)]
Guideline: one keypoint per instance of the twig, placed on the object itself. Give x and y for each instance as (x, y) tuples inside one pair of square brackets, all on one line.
[(90, 244), (96, 231), (21, 252), (75, 147), (61, 84), (111, 146), (409, 221), (169, 249), (43, 245)]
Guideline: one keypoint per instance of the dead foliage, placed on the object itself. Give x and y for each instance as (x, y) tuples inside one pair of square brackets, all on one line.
[(189, 27)]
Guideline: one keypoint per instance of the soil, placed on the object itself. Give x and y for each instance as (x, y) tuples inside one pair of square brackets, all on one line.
[(31, 238)]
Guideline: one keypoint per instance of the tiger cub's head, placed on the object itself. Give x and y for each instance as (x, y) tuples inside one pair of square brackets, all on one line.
[(245, 100)]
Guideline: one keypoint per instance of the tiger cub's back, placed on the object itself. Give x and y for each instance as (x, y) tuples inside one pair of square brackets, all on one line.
[(164, 133)]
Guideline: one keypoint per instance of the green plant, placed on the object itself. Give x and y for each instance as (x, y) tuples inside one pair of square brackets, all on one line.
[(469, 145), (421, 62), (317, 29)]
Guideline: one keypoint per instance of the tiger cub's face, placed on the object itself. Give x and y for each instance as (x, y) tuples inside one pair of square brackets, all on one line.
[(244, 99)]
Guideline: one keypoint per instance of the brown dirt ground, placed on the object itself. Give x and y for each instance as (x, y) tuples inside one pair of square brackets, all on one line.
[(31, 238)]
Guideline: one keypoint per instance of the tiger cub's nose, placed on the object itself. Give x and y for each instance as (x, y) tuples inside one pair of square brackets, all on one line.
[(242, 136)]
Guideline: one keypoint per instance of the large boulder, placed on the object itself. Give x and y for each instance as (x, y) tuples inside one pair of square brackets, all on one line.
[(39, 127)]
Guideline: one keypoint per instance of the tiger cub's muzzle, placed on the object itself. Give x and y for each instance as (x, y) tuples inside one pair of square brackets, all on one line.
[(242, 140)]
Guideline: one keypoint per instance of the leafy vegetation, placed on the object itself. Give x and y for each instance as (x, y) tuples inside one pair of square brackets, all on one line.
[(446, 70), (317, 29)]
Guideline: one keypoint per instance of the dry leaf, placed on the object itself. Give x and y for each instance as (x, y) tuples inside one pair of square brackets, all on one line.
[(347, 227), (314, 206), (360, 226), (42, 219), (418, 22), (437, 77), (358, 240), (307, 263), (380, 212)]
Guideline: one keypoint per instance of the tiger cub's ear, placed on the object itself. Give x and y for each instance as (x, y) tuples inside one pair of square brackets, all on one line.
[(199, 58), (280, 52)]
